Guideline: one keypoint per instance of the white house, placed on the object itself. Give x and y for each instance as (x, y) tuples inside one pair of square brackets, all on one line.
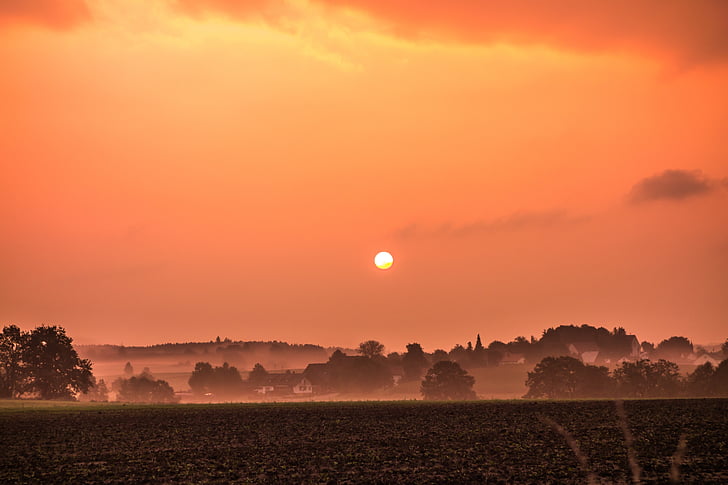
[(304, 386)]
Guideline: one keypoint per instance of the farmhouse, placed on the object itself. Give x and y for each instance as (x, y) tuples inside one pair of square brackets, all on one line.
[(585, 350), (512, 359)]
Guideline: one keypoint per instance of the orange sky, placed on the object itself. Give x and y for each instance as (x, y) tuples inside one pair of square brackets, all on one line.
[(175, 170)]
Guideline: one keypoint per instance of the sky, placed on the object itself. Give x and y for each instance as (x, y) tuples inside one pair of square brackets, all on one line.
[(175, 170)]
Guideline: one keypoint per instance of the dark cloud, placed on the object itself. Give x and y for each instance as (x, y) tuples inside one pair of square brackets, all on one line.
[(55, 14), (671, 185), (688, 30), (514, 222)]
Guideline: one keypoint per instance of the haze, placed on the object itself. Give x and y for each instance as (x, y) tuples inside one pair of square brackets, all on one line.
[(178, 170)]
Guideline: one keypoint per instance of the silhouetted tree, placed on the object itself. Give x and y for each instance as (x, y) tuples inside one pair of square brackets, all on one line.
[(129, 369), (13, 375), (414, 362), (647, 379), (567, 377), (258, 376), (394, 359), (459, 354), (674, 348), (701, 382), (648, 347), (446, 380), (438, 355), (478, 344), (97, 392), (371, 349), (724, 348), (54, 368), (144, 389), (720, 380), (220, 381)]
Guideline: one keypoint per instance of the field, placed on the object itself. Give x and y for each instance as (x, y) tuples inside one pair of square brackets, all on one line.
[(386, 442)]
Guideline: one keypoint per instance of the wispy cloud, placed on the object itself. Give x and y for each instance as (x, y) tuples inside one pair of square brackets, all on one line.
[(55, 14), (688, 30), (673, 185), (514, 222)]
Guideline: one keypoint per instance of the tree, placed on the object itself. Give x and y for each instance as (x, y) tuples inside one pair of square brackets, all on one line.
[(724, 348), (648, 379), (700, 383), (664, 379), (674, 348), (220, 381), (54, 368), (258, 375), (647, 347), (97, 392), (144, 389), (129, 369), (414, 362), (12, 372), (567, 377), (438, 355), (632, 378), (478, 344), (720, 381), (201, 378), (446, 380), (371, 349)]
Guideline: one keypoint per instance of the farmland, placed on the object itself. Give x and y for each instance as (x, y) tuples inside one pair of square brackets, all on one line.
[(464, 442)]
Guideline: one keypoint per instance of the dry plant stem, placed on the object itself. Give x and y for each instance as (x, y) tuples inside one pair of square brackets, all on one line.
[(591, 478), (677, 459), (629, 441)]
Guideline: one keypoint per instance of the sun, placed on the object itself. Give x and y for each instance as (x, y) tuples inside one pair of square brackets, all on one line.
[(383, 260)]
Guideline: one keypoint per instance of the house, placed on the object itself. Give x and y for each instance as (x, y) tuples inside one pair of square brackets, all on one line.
[(319, 375), (303, 386), (586, 351), (635, 347), (705, 358), (512, 359), (279, 383)]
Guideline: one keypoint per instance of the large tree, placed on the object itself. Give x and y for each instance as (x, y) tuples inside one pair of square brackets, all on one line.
[(258, 376), (674, 348), (12, 371), (54, 368), (446, 380), (701, 382), (647, 379), (144, 389), (220, 381), (414, 362), (371, 349), (567, 377)]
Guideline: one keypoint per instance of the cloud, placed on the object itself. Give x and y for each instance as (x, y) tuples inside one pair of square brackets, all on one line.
[(688, 30), (55, 14), (672, 185), (515, 222)]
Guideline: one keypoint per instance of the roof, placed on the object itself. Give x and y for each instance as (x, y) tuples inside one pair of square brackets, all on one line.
[(317, 374), (583, 346)]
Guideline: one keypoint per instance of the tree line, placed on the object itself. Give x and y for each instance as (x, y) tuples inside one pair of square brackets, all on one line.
[(567, 377)]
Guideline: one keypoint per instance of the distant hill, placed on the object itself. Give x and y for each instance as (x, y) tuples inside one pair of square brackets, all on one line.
[(242, 354)]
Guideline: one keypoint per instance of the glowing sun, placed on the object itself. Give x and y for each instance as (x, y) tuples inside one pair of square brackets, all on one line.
[(383, 260)]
